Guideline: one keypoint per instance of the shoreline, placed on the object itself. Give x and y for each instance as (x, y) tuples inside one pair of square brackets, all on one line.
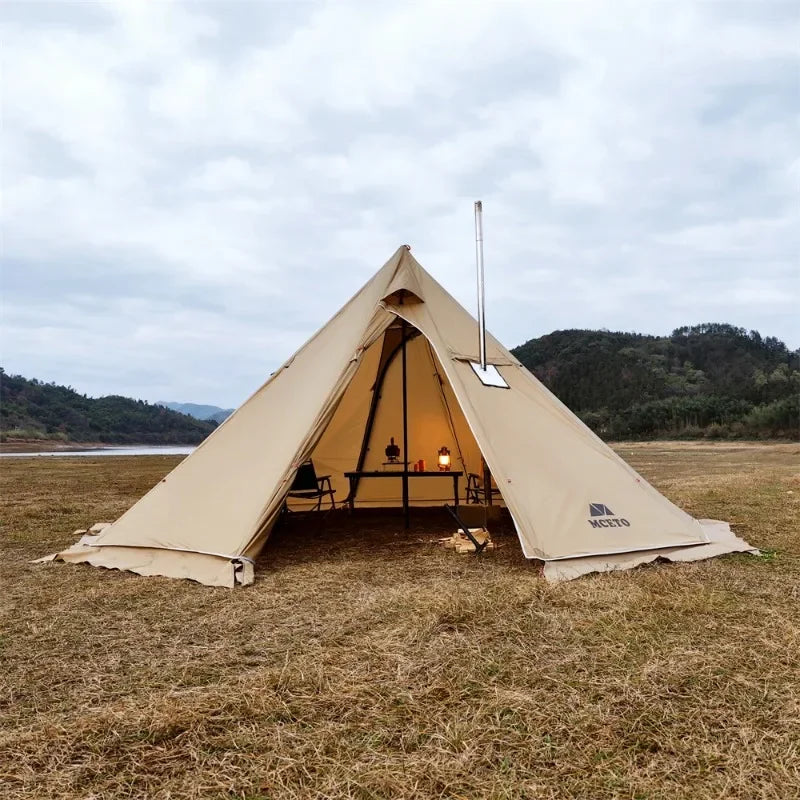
[(58, 445), (33, 446), (41, 445)]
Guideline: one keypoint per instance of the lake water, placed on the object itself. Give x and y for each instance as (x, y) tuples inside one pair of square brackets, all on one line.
[(133, 450)]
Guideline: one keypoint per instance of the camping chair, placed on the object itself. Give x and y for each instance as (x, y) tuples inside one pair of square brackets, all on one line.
[(307, 485), (475, 489)]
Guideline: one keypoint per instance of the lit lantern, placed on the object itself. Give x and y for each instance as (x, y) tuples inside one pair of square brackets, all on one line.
[(444, 459)]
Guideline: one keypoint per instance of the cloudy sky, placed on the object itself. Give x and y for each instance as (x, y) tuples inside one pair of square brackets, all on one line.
[(190, 190)]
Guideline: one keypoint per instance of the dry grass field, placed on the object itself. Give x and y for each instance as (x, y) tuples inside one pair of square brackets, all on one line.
[(370, 663)]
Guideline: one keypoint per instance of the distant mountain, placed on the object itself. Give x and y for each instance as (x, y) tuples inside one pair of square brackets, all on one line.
[(199, 411), (712, 380), (30, 409)]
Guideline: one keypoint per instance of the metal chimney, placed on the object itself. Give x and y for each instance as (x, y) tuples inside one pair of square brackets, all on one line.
[(481, 292)]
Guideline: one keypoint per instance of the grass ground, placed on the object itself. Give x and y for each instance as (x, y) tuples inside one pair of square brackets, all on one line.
[(372, 664)]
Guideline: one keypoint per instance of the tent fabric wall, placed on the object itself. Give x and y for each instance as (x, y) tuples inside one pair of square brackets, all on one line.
[(224, 497), (548, 465), (570, 496)]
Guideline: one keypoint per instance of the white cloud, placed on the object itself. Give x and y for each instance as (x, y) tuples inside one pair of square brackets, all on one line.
[(189, 190)]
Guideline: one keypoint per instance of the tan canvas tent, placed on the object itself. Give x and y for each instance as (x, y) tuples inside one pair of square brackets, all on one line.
[(575, 504)]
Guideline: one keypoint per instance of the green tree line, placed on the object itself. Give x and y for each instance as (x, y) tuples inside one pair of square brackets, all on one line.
[(30, 409), (712, 380)]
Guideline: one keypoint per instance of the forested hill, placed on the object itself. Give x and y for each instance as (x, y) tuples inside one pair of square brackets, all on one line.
[(711, 380), (30, 409)]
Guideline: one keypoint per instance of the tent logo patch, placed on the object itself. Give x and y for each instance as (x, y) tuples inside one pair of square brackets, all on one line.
[(597, 510)]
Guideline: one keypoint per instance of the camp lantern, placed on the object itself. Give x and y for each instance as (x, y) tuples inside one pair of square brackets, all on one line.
[(392, 451), (444, 459)]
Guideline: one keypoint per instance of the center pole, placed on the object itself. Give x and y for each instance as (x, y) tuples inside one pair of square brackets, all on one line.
[(406, 510)]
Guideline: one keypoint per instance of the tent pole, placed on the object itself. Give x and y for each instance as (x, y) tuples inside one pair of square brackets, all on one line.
[(405, 433), (487, 482), (373, 408)]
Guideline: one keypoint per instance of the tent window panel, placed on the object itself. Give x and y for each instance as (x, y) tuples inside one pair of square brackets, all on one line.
[(489, 376)]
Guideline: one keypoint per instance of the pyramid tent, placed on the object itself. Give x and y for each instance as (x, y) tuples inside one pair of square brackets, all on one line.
[(575, 504)]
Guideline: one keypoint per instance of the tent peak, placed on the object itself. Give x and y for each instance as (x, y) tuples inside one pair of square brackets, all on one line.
[(404, 286)]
